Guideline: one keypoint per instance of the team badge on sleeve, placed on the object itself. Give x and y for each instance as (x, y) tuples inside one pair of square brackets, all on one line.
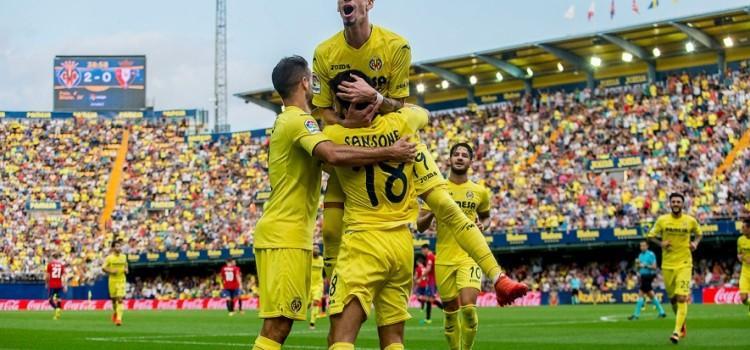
[(312, 126), (315, 84)]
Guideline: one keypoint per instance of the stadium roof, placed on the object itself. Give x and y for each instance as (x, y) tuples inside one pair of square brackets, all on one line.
[(715, 37)]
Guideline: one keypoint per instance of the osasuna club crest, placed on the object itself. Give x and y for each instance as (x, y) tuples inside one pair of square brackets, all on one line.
[(376, 63)]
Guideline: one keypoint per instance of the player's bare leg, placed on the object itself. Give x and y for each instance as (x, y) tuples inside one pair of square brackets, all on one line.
[(273, 333), (452, 324), (391, 336), (469, 317), (345, 326)]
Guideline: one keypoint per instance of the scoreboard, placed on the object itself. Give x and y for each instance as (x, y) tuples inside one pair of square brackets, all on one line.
[(91, 83)]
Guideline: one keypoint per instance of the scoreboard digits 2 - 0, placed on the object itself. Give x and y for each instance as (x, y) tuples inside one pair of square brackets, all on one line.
[(99, 83)]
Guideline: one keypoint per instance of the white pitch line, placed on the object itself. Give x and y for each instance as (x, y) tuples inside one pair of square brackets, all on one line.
[(609, 318)]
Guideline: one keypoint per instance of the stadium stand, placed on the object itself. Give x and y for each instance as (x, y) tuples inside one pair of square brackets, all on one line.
[(537, 155)]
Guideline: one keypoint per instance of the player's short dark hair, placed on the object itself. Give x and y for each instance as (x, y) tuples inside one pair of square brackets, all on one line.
[(678, 195), (465, 145), (116, 242), (746, 220), (230, 260), (425, 246), (288, 73), (56, 255), (347, 76)]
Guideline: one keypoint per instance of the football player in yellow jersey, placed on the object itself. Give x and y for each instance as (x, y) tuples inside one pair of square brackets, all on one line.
[(316, 285), (743, 254), (673, 233), (116, 266), (380, 204), (459, 278), (284, 233), (385, 57)]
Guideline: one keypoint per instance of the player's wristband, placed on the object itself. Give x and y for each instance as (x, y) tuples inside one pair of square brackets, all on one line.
[(379, 98)]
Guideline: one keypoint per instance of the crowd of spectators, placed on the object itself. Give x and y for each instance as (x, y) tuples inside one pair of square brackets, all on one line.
[(185, 287), (533, 153)]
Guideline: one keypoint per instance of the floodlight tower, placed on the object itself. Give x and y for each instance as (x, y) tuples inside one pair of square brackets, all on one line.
[(220, 69)]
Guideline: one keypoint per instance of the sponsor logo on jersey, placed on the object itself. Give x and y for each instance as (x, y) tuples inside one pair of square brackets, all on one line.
[(340, 67), (376, 63)]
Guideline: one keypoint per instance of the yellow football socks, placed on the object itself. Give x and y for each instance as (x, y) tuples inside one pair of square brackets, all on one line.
[(394, 346), (469, 323), (331, 231), (681, 316), (452, 331), (341, 346), (263, 343), (467, 234)]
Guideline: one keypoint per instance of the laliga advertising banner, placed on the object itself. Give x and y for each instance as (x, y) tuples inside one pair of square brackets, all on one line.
[(722, 295)]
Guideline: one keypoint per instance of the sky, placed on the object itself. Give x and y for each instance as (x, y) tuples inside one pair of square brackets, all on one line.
[(177, 38)]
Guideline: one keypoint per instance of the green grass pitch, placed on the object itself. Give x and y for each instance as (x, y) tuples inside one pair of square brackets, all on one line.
[(563, 327)]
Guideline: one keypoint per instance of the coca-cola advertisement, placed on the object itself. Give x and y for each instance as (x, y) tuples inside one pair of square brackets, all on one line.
[(721, 295), (490, 300)]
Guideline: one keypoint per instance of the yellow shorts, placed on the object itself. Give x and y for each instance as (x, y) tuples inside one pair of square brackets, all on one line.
[(677, 281), (116, 289), (427, 174), (374, 267), (284, 281), (316, 291), (451, 279), (334, 192), (744, 281)]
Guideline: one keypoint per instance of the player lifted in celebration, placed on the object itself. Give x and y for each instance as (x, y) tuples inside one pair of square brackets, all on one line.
[(316, 285), (647, 272), (284, 234), (116, 266), (459, 278), (743, 253), (385, 57), (55, 281), (231, 278), (380, 204), (673, 233)]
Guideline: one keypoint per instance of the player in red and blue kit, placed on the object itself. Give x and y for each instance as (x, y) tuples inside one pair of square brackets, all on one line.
[(231, 277), (428, 292), (55, 281)]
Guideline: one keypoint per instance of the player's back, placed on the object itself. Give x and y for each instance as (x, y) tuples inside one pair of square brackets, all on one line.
[(229, 276), (55, 270), (378, 195), (472, 198), (289, 214)]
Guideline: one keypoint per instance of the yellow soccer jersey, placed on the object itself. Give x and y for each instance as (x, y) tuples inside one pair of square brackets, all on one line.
[(677, 232), (743, 249), (378, 196), (289, 214), (117, 263), (385, 58), (472, 198), (316, 272)]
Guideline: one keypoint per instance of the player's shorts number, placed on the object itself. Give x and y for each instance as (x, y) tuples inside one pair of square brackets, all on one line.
[(394, 174), (334, 280)]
